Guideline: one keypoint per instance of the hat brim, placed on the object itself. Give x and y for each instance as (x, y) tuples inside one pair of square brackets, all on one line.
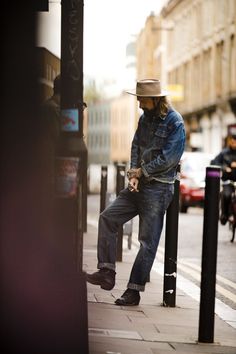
[(162, 94)]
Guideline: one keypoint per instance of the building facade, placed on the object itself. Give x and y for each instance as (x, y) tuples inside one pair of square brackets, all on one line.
[(197, 50), (110, 128), (146, 44), (203, 61), (49, 68), (98, 132), (123, 124)]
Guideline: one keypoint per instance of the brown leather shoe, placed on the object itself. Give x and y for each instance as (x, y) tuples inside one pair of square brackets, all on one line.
[(129, 298), (104, 277)]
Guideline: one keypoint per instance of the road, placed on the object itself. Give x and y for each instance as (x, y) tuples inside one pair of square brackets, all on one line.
[(190, 253), (190, 249)]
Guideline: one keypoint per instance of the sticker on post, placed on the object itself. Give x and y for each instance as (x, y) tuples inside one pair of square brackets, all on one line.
[(67, 171), (70, 120)]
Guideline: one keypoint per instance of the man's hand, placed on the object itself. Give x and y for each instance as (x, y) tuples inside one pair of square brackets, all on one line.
[(134, 173), (133, 184), (233, 164)]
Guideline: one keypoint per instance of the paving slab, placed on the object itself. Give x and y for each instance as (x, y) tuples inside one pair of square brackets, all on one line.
[(150, 327), (106, 345)]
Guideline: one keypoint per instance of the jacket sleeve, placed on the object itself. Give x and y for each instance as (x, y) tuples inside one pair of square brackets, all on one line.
[(135, 150), (218, 160), (223, 160)]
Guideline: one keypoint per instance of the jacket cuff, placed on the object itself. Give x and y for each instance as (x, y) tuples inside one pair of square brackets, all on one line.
[(134, 173)]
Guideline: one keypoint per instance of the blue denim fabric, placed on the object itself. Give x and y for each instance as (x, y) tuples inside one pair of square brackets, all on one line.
[(150, 203), (158, 145)]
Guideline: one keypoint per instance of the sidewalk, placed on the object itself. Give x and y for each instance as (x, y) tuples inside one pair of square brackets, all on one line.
[(149, 327)]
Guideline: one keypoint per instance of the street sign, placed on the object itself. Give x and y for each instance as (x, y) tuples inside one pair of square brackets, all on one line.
[(69, 120), (67, 169)]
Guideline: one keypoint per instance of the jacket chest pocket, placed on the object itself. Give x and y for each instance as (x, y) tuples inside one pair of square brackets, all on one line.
[(160, 136)]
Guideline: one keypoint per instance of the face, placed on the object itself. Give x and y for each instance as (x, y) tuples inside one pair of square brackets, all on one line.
[(146, 103), (232, 143)]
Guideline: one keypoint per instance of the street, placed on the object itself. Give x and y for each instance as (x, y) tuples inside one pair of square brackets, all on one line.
[(190, 249)]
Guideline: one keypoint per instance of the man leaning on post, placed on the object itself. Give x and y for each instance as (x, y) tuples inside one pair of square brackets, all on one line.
[(157, 147)]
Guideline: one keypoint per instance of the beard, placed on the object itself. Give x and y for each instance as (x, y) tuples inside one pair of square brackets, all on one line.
[(149, 112)]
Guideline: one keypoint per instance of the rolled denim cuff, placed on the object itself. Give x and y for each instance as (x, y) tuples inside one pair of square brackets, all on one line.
[(107, 266), (136, 287)]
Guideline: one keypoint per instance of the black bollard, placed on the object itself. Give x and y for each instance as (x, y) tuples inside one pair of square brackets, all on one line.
[(171, 246), (103, 189), (209, 255), (120, 184)]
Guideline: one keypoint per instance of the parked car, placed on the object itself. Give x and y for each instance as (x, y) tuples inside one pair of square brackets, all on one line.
[(192, 179)]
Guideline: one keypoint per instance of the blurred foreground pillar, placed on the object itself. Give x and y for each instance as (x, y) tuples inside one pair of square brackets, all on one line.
[(40, 302)]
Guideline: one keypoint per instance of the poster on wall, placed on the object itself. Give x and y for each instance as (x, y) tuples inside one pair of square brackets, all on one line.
[(67, 172), (70, 120)]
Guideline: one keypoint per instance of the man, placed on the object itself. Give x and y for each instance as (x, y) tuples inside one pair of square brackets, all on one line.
[(50, 132), (50, 116), (156, 150), (226, 159), (50, 112)]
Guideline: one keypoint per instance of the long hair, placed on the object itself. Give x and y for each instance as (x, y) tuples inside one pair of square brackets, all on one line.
[(163, 104)]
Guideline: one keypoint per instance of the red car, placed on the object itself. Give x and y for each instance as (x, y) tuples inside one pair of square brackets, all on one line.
[(192, 179)]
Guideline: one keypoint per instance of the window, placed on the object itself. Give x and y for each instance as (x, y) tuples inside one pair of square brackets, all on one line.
[(219, 68), (232, 67)]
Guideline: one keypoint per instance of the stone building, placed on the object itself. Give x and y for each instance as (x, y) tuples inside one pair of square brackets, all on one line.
[(147, 42), (110, 128), (196, 49), (49, 68), (111, 123), (123, 124), (98, 133)]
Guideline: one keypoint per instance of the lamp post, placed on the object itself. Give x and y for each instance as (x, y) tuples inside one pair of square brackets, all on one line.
[(71, 168)]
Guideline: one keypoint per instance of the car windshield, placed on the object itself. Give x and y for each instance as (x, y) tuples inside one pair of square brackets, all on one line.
[(193, 165)]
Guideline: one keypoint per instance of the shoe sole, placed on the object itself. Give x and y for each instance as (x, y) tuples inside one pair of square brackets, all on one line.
[(107, 286), (103, 286), (125, 304)]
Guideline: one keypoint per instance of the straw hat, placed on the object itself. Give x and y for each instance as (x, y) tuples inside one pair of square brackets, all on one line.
[(148, 88)]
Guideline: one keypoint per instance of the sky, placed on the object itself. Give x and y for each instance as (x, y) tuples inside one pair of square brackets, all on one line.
[(109, 25)]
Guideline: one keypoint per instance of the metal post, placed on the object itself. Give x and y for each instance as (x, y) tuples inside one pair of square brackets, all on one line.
[(71, 169), (103, 189), (71, 151), (209, 255), (171, 247), (120, 184), (85, 188)]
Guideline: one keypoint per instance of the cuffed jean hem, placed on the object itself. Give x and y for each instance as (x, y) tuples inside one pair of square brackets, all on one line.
[(107, 266), (136, 287)]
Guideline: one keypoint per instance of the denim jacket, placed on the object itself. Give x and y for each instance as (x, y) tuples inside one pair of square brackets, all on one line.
[(158, 145)]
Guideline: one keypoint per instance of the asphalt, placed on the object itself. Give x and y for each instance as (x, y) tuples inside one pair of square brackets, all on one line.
[(149, 327)]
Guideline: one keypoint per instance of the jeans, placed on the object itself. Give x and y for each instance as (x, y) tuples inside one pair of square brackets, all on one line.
[(150, 203)]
